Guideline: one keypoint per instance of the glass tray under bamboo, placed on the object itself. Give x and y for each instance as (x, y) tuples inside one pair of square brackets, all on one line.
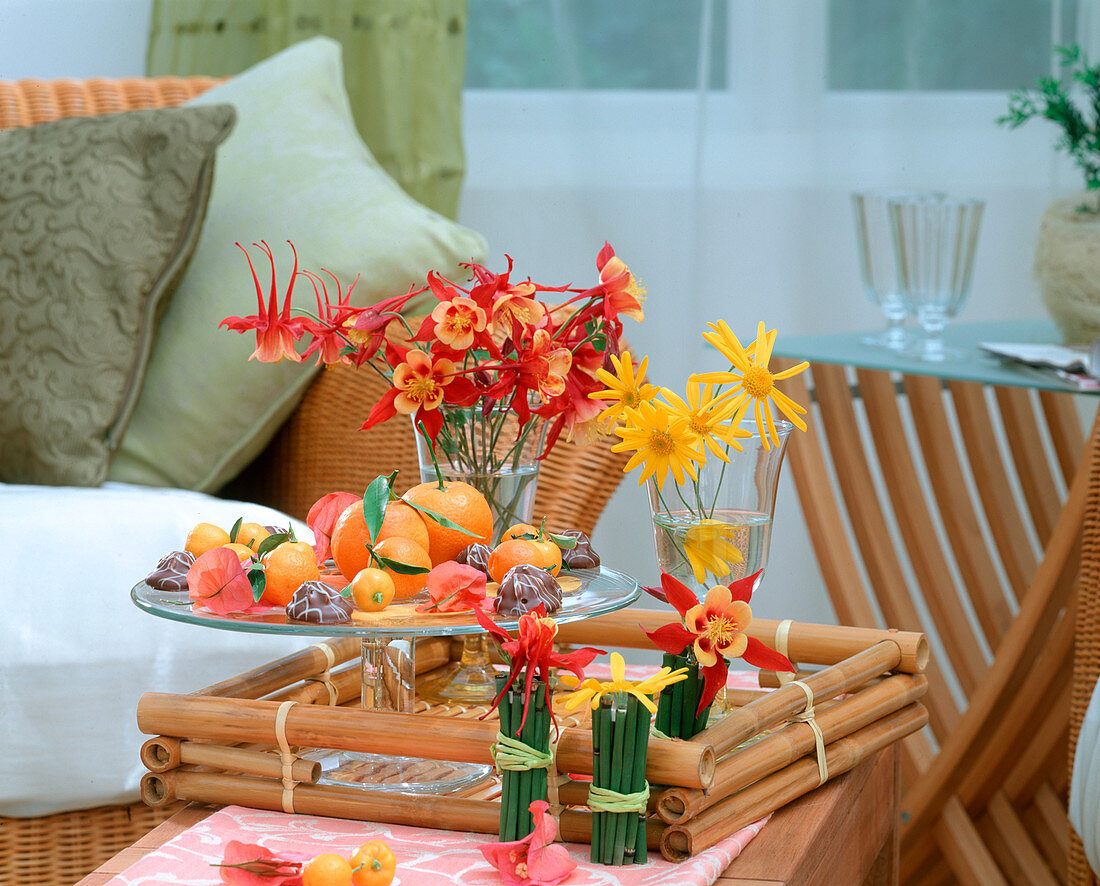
[(388, 664)]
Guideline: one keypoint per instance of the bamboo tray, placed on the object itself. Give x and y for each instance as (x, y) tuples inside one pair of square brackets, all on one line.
[(220, 745)]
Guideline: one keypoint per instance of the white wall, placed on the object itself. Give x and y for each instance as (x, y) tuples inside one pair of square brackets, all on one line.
[(737, 208)]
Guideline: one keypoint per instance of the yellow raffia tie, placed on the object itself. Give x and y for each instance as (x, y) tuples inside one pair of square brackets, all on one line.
[(517, 756), (807, 717), (326, 675), (285, 755), (555, 779), (657, 733), (782, 635), (607, 800)]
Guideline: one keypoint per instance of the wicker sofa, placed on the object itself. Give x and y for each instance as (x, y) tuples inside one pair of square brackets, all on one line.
[(318, 450)]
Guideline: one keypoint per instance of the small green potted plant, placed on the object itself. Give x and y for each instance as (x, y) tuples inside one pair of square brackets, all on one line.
[(1067, 250)]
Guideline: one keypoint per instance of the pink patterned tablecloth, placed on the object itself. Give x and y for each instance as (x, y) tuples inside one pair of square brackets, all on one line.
[(425, 857)]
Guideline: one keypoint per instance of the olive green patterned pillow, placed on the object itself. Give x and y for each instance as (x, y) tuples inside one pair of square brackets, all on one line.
[(98, 219)]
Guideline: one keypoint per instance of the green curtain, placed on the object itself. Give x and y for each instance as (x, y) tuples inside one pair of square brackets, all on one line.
[(404, 62)]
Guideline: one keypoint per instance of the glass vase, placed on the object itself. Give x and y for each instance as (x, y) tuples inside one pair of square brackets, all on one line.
[(494, 453), (718, 529)]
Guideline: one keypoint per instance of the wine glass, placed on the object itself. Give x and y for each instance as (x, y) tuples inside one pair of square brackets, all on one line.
[(934, 240), (878, 265)]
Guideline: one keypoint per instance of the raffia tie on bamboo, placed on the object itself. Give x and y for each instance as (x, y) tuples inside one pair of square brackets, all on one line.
[(787, 678), (555, 779), (326, 675), (286, 756), (518, 756)]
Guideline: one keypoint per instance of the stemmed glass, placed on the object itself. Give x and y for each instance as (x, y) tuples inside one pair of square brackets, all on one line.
[(878, 265), (934, 241)]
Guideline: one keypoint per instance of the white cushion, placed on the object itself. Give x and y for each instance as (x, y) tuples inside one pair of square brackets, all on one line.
[(76, 653)]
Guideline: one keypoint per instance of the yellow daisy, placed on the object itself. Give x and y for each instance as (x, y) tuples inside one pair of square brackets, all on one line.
[(752, 379), (708, 419), (626, 388), (658, 440), (592, 690), (710, 547)]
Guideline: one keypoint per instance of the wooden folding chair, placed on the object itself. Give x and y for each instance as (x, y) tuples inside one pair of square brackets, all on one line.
[(956, 508)]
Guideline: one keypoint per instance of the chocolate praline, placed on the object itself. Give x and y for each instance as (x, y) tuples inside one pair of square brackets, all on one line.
[(476, 555), (318, 603), (581, 556), (524, 587), (171, 572)]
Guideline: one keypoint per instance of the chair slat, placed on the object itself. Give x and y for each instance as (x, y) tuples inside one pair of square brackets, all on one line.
[(1064, 425), (870, 528), (964, 848), (918, 529), (1016, 839), (960, 520), (823, 520), (1006, 524), (1032, 467)]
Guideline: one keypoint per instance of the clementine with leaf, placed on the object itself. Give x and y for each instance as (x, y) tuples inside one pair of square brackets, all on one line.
[(465, 517), (406, 563)]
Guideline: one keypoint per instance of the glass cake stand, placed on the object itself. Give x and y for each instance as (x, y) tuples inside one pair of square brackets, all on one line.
[(388, 666)]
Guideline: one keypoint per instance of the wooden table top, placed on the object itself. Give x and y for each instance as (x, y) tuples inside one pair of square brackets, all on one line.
[(842, 834)]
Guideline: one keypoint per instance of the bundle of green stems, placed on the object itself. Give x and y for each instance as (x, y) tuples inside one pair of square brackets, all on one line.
[(677, 703), (519, 788), (620, 744)]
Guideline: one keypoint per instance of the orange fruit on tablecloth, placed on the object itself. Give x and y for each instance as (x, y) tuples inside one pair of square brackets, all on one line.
[(251, 534), (327, 869), (351, 538), (205, 537), (405, 550), (372, 590), (459, 502), (290, 564), (244, 552)]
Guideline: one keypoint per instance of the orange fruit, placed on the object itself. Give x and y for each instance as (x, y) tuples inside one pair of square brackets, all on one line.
[(404, 521), (509, 553), (350, 540), (205, 537), (327, 869), (290, 564), (518, 531), (375, 862), (251, 534), (405, 551), (244, 552), (460, 503), (372, 589)]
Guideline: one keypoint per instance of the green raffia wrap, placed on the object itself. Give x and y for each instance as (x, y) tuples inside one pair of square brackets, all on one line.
[(620, 792), (676, 717), (522, 760)]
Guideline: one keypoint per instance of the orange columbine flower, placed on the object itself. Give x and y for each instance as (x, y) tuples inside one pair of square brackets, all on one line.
[(457, 321), (719, 624), (276, 330), (623, 293), (544, 366), (419, 382), (516, 305)]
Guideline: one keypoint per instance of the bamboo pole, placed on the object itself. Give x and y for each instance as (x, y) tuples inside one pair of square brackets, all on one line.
[(283, 672), (162, 754), (237, 721), (388, 807), (806, 643), (796, 740), (768, 794), (780, 705)]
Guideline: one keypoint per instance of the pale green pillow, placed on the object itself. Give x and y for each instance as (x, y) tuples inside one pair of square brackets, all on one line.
[(294, 169)]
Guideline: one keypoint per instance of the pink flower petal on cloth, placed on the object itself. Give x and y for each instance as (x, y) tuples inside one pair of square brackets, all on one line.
[(536, 860), (248, 854)]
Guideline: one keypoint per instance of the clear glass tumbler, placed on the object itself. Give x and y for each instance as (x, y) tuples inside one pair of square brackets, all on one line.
[(878, 264), (935, 241)]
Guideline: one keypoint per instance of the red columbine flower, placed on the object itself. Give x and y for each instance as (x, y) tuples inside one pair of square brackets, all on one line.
[(515, 305), (714, 629), (368, 328), (276, 331), (622, 292), (533, 651), (543, 365), (329, 337), (419, 386)]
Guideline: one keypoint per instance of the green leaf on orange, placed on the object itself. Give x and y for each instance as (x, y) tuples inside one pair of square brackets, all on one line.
[(271, 542), (401, 568), (258, 580), (236, 528), (375, 499), (445, 522)]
